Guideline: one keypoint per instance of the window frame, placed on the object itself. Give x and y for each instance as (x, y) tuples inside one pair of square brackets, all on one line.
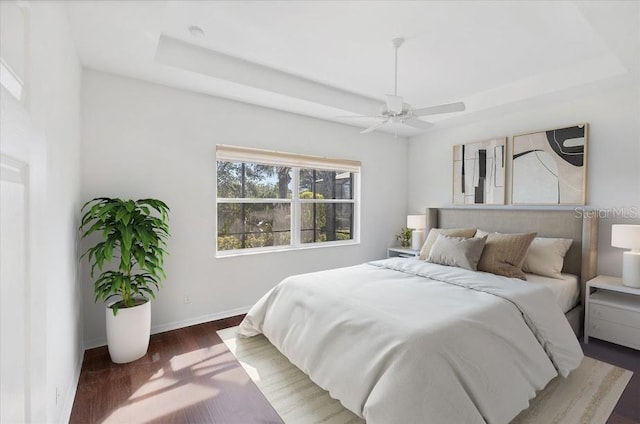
[(296, 163)]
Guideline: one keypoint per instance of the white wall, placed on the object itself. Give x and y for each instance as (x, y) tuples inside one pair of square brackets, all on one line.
[(146, 140), (613, 177), (44, 132)]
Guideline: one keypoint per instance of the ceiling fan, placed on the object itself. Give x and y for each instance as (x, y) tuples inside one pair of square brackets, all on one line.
[(395, 110)]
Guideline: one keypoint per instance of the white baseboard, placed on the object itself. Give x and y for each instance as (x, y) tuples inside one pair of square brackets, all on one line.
[(161, 328), (70, 395)]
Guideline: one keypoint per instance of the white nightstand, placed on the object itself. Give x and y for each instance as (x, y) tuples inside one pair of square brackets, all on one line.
[(612, 312), (402, 252)]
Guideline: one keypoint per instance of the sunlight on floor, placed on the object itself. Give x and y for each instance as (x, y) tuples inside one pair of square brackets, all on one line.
[(157, 383), (191, 360), (158, 404), (164, 393), (252, 371)]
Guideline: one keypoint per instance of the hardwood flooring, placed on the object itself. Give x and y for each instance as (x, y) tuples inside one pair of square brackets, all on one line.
[(189, 376)]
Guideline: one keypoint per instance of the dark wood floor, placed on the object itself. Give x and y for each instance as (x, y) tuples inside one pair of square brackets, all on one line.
[(189, 376)]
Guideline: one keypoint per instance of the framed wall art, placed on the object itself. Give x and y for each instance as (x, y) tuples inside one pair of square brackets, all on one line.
[(479, 172), (550, 167)]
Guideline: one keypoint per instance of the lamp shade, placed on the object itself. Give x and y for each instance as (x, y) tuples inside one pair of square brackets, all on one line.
[(416, 222), (625, 236)]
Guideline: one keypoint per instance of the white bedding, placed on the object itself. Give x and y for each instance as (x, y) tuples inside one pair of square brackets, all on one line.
[(566, 291), (397, 347)]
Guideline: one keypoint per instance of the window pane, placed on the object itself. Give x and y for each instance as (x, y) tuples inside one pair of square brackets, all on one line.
[(326, 222), (245, 225), (252, 180), (321, 184)]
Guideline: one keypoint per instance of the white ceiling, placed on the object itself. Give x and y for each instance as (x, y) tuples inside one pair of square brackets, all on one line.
[(330, 58)]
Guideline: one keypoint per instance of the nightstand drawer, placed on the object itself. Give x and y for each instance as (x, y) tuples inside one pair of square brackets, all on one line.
[(613, 314), (614, 332)]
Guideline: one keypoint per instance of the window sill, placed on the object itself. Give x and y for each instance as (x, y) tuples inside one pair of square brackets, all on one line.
[(278, 249)]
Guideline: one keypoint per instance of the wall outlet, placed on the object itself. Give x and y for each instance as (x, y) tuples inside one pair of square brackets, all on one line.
[(187, 299)]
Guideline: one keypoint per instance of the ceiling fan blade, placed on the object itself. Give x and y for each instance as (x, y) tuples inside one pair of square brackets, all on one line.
[(374, 127), (417, 123), (433, 110), (357, 117)]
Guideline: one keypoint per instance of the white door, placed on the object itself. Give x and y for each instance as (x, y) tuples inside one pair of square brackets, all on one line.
[(14, 314)]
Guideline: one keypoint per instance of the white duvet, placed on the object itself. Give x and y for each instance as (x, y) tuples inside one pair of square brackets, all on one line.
[(406, 341)]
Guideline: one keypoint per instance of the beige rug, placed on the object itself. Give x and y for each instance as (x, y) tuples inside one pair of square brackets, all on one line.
[(587, 397)]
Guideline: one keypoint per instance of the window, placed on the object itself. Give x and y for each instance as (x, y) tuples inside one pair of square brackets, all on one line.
[(273, 201)]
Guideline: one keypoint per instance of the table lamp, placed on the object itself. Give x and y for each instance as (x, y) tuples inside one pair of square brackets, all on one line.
[(416, 223), (628, 237)]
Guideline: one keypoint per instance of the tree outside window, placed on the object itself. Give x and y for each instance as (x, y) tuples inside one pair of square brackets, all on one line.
[(269, 206)]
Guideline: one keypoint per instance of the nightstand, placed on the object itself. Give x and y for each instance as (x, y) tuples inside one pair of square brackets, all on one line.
[(612, 312), (402, 252)]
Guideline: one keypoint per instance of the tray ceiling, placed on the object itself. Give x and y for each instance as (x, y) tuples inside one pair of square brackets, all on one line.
[(325, 59)]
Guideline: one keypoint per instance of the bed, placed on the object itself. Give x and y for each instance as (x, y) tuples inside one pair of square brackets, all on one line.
[(404, 340), (582, 228)]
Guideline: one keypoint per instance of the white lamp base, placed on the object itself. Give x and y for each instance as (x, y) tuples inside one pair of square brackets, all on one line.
[(631, 268), (416, 239)]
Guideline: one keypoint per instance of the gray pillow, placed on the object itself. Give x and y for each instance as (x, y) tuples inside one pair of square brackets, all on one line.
[(457, 251), (433, 236)]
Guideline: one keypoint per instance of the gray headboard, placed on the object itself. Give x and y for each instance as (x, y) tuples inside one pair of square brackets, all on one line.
[(582, 229)]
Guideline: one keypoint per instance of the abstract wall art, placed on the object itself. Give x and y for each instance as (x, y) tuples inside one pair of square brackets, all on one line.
[(550, 167), (479, 172)]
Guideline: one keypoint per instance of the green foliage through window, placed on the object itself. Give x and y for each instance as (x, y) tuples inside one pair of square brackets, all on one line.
[(258, 205)]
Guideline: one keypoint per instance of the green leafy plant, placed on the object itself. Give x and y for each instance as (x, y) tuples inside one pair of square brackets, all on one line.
[(404, 237), (133, 233)]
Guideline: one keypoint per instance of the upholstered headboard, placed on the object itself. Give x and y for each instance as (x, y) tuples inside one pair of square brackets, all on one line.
[(581, 228)]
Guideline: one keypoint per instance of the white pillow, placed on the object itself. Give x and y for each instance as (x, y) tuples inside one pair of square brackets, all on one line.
[(457, 251), (546, 256)]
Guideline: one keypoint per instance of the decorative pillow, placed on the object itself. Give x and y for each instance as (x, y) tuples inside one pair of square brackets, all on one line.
[(457, 251), (482, 233), (433, 236), (546, 256), (504, 254)]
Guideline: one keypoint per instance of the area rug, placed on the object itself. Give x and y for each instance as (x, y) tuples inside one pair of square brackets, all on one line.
[(587, 396)]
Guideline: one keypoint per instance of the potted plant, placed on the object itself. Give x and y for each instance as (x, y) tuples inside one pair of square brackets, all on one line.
[(133, 235), (404, 237)]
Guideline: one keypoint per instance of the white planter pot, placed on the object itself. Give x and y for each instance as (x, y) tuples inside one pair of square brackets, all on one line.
[(128, 332)]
